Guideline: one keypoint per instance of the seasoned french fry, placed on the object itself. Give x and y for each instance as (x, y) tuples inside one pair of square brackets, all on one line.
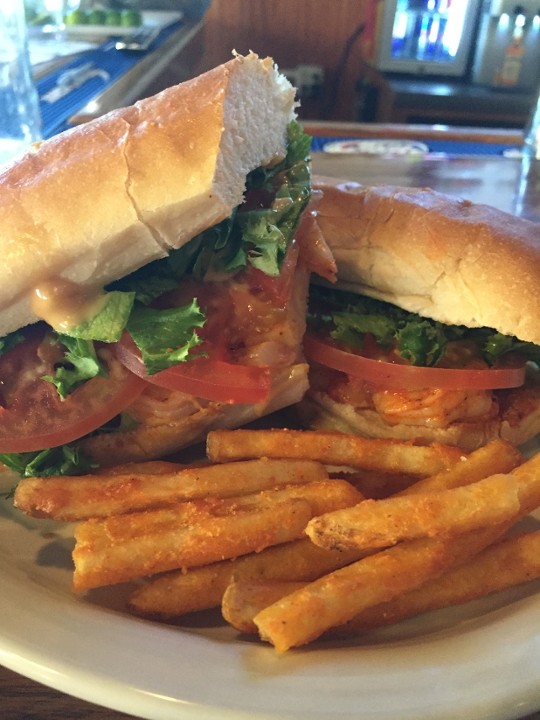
[(244, 599), (177, 593), (376, 524), (124, 547), (231, 530), (148, 467), (245, 596), (336, 598), (510, 562), (331, 448), (441, 511), (323, 495), (375, 484), (83, 497), (498, 456)]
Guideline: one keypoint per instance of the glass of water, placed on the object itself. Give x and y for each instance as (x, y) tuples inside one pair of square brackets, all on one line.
[(20, 123), (532, 130)]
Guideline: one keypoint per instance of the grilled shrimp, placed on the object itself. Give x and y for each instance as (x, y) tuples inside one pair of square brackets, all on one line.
[(433, 407)]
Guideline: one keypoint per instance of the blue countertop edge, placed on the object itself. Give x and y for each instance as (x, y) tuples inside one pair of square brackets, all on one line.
[(457, 147)]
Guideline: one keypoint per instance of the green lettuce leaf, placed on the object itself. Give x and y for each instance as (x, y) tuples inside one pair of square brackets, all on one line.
[(165, 337), (268, 232), (79, 365), (495, 344), (10, 341), (109, 323), (350, 328), (268, 244), (293, 169), (247, 236), (420, 341), (348, 317), (64, 460)]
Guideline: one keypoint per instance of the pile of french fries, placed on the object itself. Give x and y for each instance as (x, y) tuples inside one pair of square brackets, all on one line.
[(296, 534)]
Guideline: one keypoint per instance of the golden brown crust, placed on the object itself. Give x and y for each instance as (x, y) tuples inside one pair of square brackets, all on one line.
[(440, 256), (105, 198)]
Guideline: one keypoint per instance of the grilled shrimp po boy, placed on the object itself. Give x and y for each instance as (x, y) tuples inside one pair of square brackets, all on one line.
[(434, 332), (155, 273)]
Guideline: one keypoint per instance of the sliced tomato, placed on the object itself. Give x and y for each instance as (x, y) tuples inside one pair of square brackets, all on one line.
[(214, 377), (34, 417), (206, 378), (388, 374)]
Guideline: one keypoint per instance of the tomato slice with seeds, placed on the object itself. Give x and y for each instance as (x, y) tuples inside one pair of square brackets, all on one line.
[(403, 376), (34, 417)]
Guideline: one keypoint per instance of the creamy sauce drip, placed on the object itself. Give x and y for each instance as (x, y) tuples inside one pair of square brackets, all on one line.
[(64, 304)]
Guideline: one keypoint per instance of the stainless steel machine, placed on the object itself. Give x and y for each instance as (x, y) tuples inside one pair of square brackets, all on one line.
[(508, 47)]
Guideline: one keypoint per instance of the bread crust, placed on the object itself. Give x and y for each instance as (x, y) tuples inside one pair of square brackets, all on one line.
[(105, 198), (439, 256)]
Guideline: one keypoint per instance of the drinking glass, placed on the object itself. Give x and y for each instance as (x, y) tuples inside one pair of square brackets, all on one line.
[(20, 122)]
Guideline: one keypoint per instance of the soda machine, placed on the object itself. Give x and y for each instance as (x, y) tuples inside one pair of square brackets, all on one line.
[(427, 37), (489, 43)]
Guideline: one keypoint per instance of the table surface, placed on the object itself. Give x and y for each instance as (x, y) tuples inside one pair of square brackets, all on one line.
[(510, 184), (507, 183)]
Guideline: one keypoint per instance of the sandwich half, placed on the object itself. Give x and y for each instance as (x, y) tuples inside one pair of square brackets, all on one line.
[(155, 273), (433, 330)]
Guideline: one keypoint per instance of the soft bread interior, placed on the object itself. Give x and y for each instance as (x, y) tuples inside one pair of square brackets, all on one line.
[(439, 256), (101, 200)]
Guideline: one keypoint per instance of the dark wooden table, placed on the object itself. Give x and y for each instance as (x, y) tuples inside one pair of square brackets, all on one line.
[(511, 184), (503, 182), (22, 699)]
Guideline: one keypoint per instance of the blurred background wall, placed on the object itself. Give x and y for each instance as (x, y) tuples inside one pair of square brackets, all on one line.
[(337, 36)]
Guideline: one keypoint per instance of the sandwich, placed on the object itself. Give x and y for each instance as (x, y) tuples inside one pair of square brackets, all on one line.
[(155, 274), (432, 332)]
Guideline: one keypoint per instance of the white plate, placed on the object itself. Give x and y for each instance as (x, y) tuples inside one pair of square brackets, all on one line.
[(477, 662), (377, 147)]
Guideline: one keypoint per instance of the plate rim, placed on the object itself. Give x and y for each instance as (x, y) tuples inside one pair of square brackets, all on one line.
[(35, 578)]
